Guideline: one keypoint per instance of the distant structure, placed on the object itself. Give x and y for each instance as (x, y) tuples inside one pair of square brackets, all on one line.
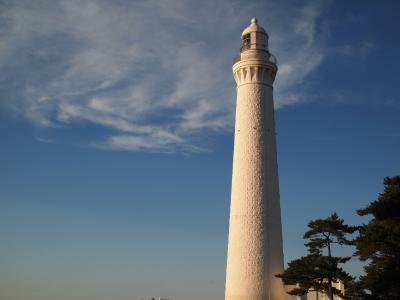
[(313, 295), (255, 251)]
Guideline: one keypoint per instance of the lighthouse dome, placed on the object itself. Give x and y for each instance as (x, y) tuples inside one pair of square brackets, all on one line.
[(254, 27)]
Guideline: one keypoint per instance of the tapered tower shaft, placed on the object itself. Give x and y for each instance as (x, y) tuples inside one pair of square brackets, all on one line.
[(255, 251)]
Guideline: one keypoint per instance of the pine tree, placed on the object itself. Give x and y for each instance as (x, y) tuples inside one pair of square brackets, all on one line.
[(379, 243), (318, 270)]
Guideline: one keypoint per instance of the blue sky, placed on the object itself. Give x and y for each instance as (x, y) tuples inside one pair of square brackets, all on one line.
[(117, 131)]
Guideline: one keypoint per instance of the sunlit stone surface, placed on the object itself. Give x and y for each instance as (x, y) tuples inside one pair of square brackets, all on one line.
[(255, 252)]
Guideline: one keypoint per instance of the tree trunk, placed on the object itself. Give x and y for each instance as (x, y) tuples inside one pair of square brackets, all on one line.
[(330, 291)]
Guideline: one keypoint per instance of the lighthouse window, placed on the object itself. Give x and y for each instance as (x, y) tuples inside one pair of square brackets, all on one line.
[(246, 41)]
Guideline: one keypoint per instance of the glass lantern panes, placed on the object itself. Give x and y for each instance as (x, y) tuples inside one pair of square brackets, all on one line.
[(246, 41)]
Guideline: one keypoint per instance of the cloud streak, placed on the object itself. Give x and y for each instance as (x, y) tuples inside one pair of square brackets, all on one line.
[(155, 74)]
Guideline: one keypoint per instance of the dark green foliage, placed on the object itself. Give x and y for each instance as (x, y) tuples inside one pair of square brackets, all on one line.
[(312, 273), (379, 243), (325, 232), (355, 291), (316, 271)]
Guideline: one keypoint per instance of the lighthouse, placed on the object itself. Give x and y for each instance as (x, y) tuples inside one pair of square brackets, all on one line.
[(255, 252)]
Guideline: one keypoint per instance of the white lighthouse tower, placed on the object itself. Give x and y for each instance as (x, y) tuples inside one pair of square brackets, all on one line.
[(255, 252)]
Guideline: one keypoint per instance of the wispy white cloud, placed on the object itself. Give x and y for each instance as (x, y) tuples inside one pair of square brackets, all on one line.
[(157, 73), (361, 49), (301, 50), (154, 141)]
